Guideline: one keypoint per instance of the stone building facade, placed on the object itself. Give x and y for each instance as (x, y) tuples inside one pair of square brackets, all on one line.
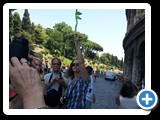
[(134, 45)]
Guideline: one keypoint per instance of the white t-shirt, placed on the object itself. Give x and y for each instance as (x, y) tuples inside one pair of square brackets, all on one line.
[(67, 80), (55, 85), (128, 103), (89, 95)]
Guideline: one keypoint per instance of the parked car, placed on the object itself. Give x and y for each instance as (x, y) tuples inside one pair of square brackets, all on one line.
[(110, 76)]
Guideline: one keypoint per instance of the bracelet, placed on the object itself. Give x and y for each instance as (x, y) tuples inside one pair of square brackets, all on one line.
[(44, 107)]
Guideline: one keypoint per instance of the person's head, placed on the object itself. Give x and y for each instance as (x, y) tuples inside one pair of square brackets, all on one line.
[(125, 78), (56, 64), (63, 67), (37, 64), (89, 70), (128, 89), (73, 68), (75, 65)]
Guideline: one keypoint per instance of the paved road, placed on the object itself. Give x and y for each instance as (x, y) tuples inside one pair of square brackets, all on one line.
[(106, 92)]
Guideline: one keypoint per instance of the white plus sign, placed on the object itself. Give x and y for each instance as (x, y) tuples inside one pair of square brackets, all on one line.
[(147, 99)]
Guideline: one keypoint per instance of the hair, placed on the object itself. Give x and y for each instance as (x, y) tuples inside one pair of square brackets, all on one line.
[(69, 72), (89, 70), (128, 89), (55, 58), (33, 60), (125, 77), (36, 58)]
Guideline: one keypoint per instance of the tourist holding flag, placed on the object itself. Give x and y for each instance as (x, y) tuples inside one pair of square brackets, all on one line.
[(27, 82), (75, 95)]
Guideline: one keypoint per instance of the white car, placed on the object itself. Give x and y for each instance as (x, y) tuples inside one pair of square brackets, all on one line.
[(110, 76)]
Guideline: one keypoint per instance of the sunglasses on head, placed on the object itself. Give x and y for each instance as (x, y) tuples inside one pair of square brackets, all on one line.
[(75, 64)]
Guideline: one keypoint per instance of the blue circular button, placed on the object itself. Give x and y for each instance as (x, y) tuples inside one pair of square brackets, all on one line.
[(147, 99)]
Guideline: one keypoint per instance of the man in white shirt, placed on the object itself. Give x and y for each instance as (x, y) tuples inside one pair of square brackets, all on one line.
[(54, 81), (90, 97)]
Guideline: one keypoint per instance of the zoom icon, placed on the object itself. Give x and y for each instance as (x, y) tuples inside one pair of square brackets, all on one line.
[(147, 99)]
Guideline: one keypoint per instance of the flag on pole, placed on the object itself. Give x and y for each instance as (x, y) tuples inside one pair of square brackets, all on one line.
[(77, 14)]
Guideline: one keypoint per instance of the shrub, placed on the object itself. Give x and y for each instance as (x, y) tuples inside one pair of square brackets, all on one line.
[(39, 55)]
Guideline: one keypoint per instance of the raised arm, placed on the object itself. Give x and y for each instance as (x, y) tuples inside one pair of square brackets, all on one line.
[(83, 70)]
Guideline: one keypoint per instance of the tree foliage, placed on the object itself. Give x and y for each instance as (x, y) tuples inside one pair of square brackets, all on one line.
[(58, 41), (17, 24), (26, 23)]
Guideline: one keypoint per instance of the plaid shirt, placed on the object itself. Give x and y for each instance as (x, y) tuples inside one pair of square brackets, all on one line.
[(76, 93)]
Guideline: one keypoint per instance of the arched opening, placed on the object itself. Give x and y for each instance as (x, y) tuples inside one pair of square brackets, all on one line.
[(131, 64), (142, 60)]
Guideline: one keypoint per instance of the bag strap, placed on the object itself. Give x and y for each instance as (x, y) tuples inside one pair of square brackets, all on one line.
[(60, 91), (60, 86), (60, 74), (50, 77)]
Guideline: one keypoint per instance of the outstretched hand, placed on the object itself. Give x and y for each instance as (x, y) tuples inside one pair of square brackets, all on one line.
[(26, 82), (76, 37), (23, 78)]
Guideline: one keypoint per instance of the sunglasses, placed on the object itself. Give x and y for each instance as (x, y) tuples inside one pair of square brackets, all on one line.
[(75, 64), (56, 64)]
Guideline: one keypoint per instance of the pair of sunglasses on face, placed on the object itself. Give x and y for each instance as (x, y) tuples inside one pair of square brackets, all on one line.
[(56, 64), (75, 64)]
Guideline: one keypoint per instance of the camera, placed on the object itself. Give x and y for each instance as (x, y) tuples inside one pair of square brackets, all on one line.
[(65, 100), (19, 48), (60, 78)]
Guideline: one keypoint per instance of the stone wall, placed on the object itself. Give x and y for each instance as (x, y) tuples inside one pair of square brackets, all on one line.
[(134, 45)]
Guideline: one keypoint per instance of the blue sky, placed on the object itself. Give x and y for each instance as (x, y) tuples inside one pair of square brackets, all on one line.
[(107, 27)]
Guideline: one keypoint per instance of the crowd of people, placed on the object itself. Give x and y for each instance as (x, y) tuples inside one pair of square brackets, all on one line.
[(32, 87)]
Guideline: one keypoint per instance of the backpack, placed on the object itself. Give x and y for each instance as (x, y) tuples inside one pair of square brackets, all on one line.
[(52, 98)]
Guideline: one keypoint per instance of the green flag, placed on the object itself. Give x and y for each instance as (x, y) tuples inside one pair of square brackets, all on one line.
[(77, 14), (77, 17)]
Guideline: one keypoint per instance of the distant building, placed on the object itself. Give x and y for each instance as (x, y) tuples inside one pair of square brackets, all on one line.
[(134, 45)]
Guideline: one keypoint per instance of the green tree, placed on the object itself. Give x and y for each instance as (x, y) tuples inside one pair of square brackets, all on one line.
[(17, 24), (40, 34), (26, 23), (67, 33), (59, 26), (11, 25), (54, 41), (122, 63)]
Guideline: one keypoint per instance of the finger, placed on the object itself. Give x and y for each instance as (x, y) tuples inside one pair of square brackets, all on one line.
[(30, 57), (15, 61), (11, 70), (24, 62), (10, 67)]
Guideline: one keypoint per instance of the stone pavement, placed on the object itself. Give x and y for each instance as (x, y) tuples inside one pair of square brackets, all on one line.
[(106, 92)]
